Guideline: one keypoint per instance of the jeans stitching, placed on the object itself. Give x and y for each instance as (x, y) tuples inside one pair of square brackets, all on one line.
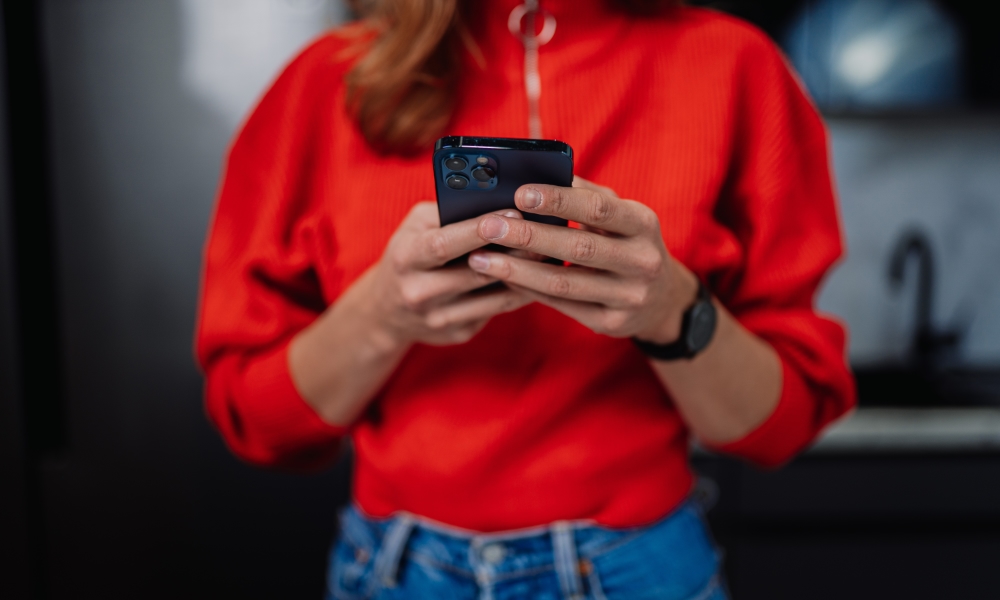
[(386, 561), (596, 590), (429, 561), (523, 573), (564, 555), (613, 545)]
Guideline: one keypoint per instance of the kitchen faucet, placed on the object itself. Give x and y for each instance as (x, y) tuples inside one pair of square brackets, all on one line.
[(929, 346)]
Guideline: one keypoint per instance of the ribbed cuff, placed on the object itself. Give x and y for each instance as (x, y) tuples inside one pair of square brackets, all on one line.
[(279, 414), (785, 432)]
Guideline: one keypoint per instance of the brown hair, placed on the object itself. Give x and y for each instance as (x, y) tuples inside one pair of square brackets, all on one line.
[(401, 92)]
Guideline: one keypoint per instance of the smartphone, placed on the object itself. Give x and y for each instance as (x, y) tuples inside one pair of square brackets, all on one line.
[(477, 175)]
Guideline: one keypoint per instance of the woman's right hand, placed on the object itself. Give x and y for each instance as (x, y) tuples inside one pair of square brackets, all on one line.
[(418, 297), (410, 295)]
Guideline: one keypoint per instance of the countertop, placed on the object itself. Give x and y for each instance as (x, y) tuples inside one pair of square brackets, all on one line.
[(913, 430)]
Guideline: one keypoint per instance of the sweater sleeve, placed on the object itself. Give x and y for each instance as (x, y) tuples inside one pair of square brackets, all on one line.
[(781, 207), (259, 285)]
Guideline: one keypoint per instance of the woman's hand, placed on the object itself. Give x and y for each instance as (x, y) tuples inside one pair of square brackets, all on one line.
[(410, 295), (622, 281), (418, 298)]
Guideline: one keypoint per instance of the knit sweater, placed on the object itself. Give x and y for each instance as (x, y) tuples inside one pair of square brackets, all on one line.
[(537, 418)]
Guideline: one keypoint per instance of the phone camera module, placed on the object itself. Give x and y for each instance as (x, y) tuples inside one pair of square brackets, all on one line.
[(457, 182), (484, 173), (455, 163)]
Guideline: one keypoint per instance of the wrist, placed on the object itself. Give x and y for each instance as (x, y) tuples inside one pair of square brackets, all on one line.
[(338, 362), (364, 307), (683, 292)]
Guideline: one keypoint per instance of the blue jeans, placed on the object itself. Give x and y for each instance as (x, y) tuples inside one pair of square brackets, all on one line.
[(406, 557)]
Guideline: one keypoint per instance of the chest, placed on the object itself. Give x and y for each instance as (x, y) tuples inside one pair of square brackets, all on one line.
[(640, 135)]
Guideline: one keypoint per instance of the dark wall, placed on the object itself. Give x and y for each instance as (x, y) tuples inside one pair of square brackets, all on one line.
[(146, 502), (13, 532)]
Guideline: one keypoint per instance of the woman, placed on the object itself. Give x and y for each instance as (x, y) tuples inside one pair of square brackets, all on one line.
[(527, 439)]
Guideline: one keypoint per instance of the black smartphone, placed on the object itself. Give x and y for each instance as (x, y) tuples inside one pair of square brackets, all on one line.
[(477, 175)]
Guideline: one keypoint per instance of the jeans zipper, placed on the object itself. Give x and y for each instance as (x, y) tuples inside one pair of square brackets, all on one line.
[(522, 24)]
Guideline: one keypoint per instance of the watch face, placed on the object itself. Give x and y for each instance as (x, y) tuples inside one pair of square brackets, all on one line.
[(702, 326)]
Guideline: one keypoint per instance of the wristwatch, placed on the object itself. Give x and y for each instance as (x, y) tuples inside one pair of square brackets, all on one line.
[(697, 329)]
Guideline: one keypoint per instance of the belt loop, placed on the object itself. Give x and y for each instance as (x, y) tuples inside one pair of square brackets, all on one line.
[(567, 565), (389, 556)]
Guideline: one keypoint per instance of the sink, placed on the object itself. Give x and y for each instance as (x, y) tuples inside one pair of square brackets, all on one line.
[(907, 387), (926, 378)]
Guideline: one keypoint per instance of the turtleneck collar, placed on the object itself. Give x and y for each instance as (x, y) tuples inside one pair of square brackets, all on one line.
[(564, 11), (575, 20)]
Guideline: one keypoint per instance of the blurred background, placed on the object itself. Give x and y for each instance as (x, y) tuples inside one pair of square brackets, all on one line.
[(113, 485)]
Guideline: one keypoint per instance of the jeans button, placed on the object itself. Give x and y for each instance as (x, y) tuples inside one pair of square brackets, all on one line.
[(494, 553)]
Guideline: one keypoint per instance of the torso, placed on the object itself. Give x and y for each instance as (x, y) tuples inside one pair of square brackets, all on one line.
[(537, 418)]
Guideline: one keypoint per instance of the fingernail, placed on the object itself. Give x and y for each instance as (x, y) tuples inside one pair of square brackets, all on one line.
[(531, 198), (494, 228), (479, 262), (512, 214)]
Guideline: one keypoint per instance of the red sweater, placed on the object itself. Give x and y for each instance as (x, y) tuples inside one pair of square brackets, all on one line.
[(537, 418)]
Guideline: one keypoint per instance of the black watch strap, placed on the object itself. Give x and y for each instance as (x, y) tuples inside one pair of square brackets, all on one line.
[(697, 329)]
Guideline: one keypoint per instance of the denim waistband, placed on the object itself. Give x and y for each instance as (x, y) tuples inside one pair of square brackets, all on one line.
[(565, 546)]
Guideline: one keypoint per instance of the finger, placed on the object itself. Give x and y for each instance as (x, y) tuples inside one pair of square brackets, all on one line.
[(580, 182), (597, 318), (572, 283), (436, 246), (587, 206), (475, 308), (527, 255), (573, 245), (594, 229), (422, 288), (587, 314), (422, 216)]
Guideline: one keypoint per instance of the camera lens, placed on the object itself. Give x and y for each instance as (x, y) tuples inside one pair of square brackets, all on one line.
[(457, 182), (483, 173), (455, 163)]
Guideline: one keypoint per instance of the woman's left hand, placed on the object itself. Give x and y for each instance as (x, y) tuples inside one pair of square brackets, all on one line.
[(621, 282)]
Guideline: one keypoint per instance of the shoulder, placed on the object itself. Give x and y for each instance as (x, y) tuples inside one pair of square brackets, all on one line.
[(713, 38), (696, 24), (721, 55), (307, 92), (322, 64), (334, 52), (740, 63)]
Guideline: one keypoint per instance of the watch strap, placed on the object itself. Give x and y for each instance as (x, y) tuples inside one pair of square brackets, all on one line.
[(681, 347)]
